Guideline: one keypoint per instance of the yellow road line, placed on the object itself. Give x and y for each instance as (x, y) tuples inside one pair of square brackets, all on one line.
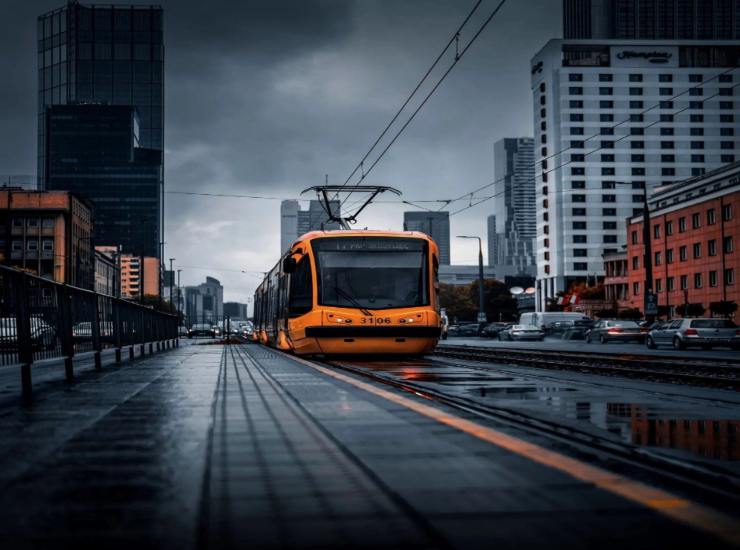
[(663, 502)]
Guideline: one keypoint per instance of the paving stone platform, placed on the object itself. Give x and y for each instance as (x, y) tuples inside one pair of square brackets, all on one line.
[(239, 446)]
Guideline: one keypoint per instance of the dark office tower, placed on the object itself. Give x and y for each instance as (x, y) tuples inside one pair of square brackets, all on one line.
[(652, 19), (94, 151), (112, 55), (434, 224)]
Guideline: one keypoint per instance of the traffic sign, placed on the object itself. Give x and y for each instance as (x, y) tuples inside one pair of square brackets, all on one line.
[(651, 303)]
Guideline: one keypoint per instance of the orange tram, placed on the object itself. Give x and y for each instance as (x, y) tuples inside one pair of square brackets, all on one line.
[(352, 292)]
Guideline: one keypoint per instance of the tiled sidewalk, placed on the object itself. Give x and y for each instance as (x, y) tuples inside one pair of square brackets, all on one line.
[(239, 446)]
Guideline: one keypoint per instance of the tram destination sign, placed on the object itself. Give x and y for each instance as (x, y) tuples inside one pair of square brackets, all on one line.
[(368, 244)]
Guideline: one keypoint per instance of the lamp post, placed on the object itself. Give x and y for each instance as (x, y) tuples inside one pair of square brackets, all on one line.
[(481, 307), (648, 249)]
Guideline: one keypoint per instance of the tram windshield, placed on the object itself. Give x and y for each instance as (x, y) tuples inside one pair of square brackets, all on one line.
[(371, 272)]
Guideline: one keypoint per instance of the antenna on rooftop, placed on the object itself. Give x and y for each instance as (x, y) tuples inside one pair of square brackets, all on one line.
[(335, 215)]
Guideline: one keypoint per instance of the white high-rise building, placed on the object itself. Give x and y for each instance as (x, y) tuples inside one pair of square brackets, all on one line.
[(642, 112)]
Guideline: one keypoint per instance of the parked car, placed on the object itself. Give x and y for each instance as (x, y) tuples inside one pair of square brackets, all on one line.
[(469, 329), (43, 335), (182, 330), (570, 329), (704, 333), (543, 319), (522, 332), (201, 330), (492, 330), (616, 330)]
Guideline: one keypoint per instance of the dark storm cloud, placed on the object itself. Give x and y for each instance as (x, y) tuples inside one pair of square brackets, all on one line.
[(267, 97)]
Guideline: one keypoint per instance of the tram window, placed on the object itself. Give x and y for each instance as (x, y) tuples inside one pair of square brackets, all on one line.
[(301, 289), (372, 273)]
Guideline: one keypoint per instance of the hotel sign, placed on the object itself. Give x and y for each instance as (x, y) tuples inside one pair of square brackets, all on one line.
[(644, 56)]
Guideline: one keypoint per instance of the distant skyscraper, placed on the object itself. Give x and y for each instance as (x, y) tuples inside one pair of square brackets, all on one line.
[(109, 55), (295, 222), (515, 204), (652, 19), (434, 224), (288, 224), (93, 150), (204, 303)]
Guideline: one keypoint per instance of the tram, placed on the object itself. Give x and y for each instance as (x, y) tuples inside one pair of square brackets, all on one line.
[(352, 292)]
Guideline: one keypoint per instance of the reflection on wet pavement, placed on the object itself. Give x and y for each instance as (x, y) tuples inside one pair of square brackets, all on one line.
[(665, 424)]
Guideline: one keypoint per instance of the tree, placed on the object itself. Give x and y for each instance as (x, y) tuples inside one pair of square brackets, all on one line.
[(691, 310), (723, 308), (610, 313), (456, 300), (632, 314), (498, 303)]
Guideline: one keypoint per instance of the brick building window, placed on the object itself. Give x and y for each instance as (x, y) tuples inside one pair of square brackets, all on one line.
[(697, 250), (711, 219), (697, 280), (684, 282), (635, 289), (712, 247), (682, 253), (712, 278), (671, 284), (681, 224), (669, 228), (635, 262), (728, 245), (669, 256), (634, 237), (727, 212), (729, 276)]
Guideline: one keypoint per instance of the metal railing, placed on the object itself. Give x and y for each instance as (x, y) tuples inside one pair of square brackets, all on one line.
[(41, 319)]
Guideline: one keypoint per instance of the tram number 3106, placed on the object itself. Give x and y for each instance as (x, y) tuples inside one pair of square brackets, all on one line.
[(375, 321)]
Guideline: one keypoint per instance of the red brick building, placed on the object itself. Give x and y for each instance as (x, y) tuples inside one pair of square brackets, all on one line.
[(695, 232)]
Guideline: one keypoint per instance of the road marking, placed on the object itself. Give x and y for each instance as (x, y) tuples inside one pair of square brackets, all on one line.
[(663, 502)]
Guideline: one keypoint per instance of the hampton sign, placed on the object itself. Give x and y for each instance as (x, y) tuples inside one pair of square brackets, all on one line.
[(644, 56)]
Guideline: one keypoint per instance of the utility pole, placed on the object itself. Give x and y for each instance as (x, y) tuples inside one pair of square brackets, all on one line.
[(179, 293)]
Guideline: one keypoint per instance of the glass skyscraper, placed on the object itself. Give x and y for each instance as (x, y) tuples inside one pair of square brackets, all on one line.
[(104, 55), (94, 151)]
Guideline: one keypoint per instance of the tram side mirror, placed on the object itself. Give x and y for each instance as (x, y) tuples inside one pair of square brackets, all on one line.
[(289, 265)]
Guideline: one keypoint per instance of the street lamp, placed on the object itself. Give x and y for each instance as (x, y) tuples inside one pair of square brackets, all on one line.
[(648, 251), (481, 308)]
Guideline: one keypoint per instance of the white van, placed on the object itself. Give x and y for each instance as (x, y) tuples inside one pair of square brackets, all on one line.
[(542, 319)]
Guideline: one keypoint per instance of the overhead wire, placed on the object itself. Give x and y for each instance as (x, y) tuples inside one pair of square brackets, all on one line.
[(594, 136), (658, 121), (454, 38), (434, 89)]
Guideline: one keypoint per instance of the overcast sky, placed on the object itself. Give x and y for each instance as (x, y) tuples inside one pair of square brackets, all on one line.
[(267, 97)]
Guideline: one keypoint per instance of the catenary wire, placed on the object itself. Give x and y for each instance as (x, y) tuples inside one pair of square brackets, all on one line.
[(431, 92), (452, 39), (473, 204), (594, 136)]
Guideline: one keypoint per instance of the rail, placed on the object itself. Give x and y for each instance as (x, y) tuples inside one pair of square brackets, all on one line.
[(708, 372), (42, 319)]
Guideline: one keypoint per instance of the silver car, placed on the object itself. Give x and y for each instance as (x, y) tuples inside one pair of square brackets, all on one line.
[(615, 330), (704, 333), (522, 332)]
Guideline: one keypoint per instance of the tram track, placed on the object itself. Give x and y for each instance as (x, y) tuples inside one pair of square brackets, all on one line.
[(704, 372), (714, 486)]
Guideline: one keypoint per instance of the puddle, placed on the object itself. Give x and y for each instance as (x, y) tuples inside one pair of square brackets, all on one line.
[(524, 391), (708, 438)]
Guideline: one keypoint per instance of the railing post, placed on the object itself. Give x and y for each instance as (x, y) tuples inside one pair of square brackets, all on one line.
[(117, 328), (142, 332), (95, 325), (23, 334), (65, 325)]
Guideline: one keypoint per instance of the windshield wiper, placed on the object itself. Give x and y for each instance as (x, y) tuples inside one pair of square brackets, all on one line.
[(351, 300)]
